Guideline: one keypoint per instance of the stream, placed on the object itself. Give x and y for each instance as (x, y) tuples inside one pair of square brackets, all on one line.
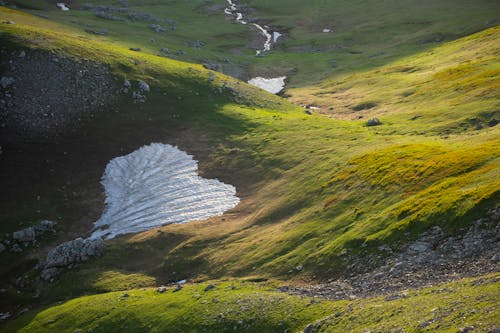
[(272, 85)]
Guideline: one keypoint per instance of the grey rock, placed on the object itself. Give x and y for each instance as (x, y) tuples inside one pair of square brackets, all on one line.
[(22, 54), (75, 251), (16, 248), (44, 227), (373, 122), (25, 235), (209, 287), (6, 81), (138, 97), (4, 315), (143, 86), (137, 49), (162, 289), (309, 328), (157, 28), (2, 248), (49, 273)]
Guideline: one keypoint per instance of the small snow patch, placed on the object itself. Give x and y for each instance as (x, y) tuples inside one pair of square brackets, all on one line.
[(62, 6), (273, 85)]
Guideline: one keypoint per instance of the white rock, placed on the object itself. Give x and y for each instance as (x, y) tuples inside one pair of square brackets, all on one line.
[(157, 185)]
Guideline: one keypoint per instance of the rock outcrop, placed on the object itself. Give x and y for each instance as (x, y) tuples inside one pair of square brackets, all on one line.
[(31, 233), (73, 252)]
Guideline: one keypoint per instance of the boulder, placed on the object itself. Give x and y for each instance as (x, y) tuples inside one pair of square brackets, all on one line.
[(25, 235), (144, 86), (373, 122), (6, 81), (209, 287), (75, 251), (162, 289), (45, 226)]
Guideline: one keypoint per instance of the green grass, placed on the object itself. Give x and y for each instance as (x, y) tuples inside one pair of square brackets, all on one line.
[(239, 306), (312, 187)]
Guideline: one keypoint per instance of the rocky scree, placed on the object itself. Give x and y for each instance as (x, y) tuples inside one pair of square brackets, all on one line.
[(435, 257), (43, 95)]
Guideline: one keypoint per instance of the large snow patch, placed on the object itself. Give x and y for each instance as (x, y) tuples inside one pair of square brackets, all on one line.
[(157, 185)]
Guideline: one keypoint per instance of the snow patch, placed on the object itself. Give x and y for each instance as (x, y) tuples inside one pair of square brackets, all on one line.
[(62, 6), (273, 85), (157, 185)]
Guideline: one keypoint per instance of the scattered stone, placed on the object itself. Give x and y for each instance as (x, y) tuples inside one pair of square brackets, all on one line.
[(16, 248), (49, 273), (157, 28), (44, 227), (162, 289), (209, 287), (103, 32), (373, 122), (25, 235), (138, 97), (309, 328), (143, 86), (4, 315), (493, 122), (6, 81)]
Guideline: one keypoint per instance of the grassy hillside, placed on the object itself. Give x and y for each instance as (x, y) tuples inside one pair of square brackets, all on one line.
[(237, 306), (312, 187)]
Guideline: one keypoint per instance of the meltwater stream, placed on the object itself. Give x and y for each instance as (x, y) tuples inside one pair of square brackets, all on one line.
[(272, 85), (270, 38), (157, 185)]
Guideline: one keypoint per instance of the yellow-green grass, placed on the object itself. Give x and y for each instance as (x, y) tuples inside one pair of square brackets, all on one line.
[(239, 306), (311, 186)]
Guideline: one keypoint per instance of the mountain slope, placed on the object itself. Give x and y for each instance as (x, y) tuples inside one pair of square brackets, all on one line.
[(314, 189)]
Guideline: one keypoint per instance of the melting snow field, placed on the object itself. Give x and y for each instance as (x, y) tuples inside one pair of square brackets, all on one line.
[(157, 185), (274, 85)]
